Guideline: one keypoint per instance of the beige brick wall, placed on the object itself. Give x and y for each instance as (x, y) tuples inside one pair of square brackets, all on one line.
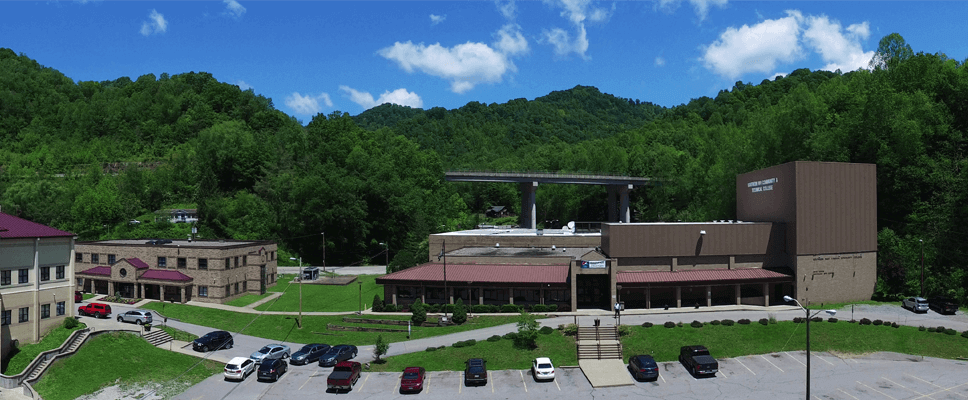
[(835, 278)]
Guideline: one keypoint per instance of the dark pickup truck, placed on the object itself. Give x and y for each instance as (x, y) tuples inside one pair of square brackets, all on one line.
[(943, 305), (697, 360), (344, 376)]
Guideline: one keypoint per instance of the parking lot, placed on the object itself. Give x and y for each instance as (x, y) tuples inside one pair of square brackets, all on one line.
[(769, 376)]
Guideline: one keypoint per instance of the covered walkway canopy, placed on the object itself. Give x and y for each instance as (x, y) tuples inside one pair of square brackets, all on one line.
[(618, 189), (706, 287)]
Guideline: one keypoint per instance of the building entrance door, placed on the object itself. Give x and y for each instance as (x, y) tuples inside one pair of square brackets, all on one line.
[(593, 291)]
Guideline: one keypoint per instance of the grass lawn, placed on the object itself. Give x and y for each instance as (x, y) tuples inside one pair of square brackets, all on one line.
[(326, 298), (247, 299), (177, 334), (89, 370), (25, 354), (88, 296), (499, 355), (283, 327), (738, 340)]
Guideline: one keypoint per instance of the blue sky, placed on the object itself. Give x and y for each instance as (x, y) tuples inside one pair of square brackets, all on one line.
[(314, 57)]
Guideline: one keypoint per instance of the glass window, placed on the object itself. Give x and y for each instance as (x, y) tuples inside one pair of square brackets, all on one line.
[(44, 274), (236, 262), (236, 288), (228, 290), (44, 311), (182, 262), (228, 264), (60, 272), (245, 260), (245, 286), (24, 314), (162, 262), (78, 257), (203, 291), (5, 277), (61, 308), (22, 276), (202, 263), (7, 317), (112, 259), (94, 258)]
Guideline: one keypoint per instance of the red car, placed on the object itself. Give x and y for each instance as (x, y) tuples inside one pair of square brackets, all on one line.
[(413, 379), (78, 296)]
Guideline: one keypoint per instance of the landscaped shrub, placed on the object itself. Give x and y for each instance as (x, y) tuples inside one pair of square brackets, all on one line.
[(419, 312), (484, 308), (460, 312), (448, 308), (431, 349), (895, 325), (714, 322), (377, 303), (865, 321), (772, 318), (495, 338), (832, 320), (71, 323), (939, 329), (539, 308), (696, 324), (797, 320), (570, 330), (552, 307), (964, 334), (950, 331), (647, 324), (679, 324), (728, 322), (465, 343), (510, 335), (624, 330), (878, 322), (510, 308), (432, 308), (743, 321), (764, 321), (931, 329), (816, 319), (546, 330), (922, 329), (669, 324)]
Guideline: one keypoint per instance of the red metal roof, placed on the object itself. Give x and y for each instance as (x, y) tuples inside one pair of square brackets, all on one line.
[(137, 263), (702, 275), (102, 270), (165, 275), (13, 227), (433, 272)]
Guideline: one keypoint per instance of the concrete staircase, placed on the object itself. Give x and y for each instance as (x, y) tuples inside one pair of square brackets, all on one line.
[(157, 337), (39, 368), (598, 343)]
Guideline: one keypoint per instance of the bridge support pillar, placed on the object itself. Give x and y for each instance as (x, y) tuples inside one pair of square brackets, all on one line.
[(528, 218), (618, 203)]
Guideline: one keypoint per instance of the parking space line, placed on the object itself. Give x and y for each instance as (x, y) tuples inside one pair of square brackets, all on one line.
[(898, 384), (824, 360), (460, 386), (922, 380), (723, 374), (399, 379), (307, 381), (795, 359), (426, 383), (817, 398), (848, 394), (663, 379), (522, 381), (878, 391), (360, 389), (556, 384), (490, 377), (744, 366), (946, 390), (771, 363)]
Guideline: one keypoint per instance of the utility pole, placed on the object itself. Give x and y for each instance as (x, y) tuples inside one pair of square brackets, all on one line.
[(300, 277), (324, 251), (922, 266)]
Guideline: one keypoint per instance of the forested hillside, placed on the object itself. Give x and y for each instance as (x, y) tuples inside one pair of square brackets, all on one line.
[(378, 177)]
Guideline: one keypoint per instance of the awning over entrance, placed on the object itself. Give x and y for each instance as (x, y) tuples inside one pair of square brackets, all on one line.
[(696, 276), (479, 273)]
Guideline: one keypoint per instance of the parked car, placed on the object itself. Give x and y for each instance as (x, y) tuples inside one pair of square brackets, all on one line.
[(139, 317), (213, 341), (78, 296), (541, 368), (697, 360), (344, 376), (238, 368), (643, 368), (475, 372), (272, 369), (309, 353), (270, 351), (942, 305), (412, 380), (97, 310), (916, 304), (336, 354)]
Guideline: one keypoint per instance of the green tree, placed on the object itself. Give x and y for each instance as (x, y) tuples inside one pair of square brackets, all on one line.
[(527, 337), (381, 347), (419, 312), (891, 50), (460, 312), (377, 303)]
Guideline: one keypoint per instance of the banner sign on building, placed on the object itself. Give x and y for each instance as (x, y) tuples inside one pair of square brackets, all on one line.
[(761, 186), (593, 264)]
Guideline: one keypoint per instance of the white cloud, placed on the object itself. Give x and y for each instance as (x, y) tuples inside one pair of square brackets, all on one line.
[(436, 19), (700, 6), (233, 8), (778, 75), (577, 12), (659, 61), (508, 9), (757, 48), (400, 96), (308, 104), (155, 24), (510, 41), (242, 85), (838, 49)]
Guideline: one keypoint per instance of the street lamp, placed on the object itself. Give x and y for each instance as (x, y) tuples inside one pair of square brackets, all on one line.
[(806, 312), (922, 266), (443, 254), (361, 296), (300, 289)]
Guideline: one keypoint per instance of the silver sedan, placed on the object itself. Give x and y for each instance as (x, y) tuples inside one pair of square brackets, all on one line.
[(270, 351)]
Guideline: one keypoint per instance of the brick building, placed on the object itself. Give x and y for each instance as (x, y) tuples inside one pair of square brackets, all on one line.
[(214, 271)]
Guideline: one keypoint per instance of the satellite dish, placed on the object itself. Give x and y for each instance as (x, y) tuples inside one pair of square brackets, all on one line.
[(571, 225)]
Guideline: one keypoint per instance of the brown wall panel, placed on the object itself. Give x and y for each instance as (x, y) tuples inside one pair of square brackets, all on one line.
[(684, 240), (836, 208)]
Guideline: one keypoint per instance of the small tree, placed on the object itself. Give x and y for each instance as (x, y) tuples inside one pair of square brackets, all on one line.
[(377, 303), (419, 312), (460, 312), (381, 347), (527, 337)]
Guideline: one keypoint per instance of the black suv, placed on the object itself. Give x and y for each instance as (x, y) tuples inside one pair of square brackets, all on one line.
[(213, 341), (271, 369), (476, 372), (942, 305), (643, 368)]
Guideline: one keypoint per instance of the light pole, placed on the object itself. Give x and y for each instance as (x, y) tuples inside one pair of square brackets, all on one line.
[(806, 312), (386, 250), (324, 251), (361, 296), (300, 289), (922, 266), (443, 254)]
